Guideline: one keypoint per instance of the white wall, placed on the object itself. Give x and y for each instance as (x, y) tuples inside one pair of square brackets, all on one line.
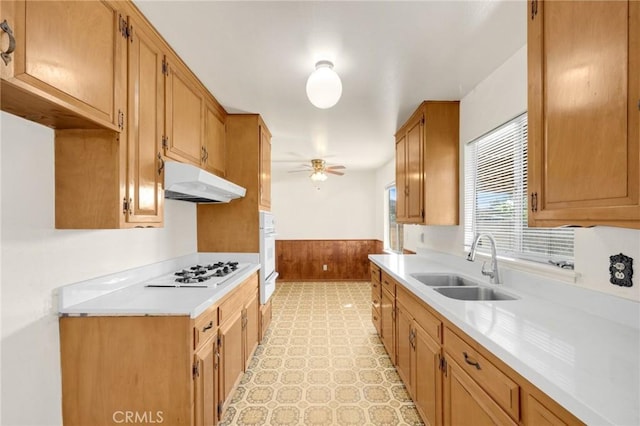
[(37, 259), (498, 98), (342, 208)]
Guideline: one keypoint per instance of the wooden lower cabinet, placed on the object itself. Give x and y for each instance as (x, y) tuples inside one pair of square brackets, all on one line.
[(266, 315), (239, 338), (387, 324), (451, 378), (173, 370), (206, 384), (231, 359), (426, 383), (418, 364), (465, 403), (251, 327)]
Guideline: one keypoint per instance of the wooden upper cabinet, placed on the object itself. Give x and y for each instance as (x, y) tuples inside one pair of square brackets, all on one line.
[(401, 178), (145, 125), (265, 168), (427, 165), (184, 114), (584, 88), (214, 140), (414, 170), (65, 71)]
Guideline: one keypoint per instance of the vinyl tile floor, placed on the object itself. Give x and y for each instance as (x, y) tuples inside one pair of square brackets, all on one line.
[(321, 363)]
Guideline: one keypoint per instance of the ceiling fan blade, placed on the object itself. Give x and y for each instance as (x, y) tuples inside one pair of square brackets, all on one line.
[(336, 167), (333, 172)]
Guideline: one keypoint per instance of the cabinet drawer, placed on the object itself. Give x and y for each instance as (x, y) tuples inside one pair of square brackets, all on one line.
[(235, 300), (497, 384), (375, 295), (376, 319), (205, 326), (375, 273), (388, 283), (417, 309)]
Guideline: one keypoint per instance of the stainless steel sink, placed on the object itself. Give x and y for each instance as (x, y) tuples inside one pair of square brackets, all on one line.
[(474, 293), (443, 280)]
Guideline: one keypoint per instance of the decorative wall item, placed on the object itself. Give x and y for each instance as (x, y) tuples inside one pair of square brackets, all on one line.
[(621, 270)]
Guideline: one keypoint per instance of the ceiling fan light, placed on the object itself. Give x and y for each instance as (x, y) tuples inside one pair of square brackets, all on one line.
[(318, 176), (324, 87)]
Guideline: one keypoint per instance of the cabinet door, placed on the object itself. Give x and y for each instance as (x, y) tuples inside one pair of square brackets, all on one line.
[(251, 328), (145, 126), (68, 54), (265, 169), (184, 112), (426, 381), (539, 415), (414, 170), (404, 327), (214, 141), (231, 360), (206, 385), (401, 178), (387, 326), (465, 403), (584, 86)]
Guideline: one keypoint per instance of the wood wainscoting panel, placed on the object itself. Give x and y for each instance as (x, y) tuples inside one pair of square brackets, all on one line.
[(303, 260)]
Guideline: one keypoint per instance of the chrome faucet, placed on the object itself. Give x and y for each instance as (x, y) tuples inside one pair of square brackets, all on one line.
[(493, 272)]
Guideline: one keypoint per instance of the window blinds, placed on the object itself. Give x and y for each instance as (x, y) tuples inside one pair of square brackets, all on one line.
[(495, 197)]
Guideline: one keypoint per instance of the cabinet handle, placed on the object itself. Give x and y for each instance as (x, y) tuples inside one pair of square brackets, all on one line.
[(208, 326), (206, 154), (534, 201), (6, 55), (469, 361), (161, 164)]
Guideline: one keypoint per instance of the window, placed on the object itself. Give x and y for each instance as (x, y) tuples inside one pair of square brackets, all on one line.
[(496, 197), (394, 234)]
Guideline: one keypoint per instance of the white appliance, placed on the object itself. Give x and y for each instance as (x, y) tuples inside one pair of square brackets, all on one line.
[(198, 276), (186, 182), (268, 272)]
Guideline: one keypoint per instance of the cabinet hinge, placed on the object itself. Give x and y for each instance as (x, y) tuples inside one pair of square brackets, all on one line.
[(165, 142), (196, 369), (422, 120), (534, 9), (120, 119), (443, 365), (165, 67), (534, 201), (422, 213), (219, 342), (638, 103), (219, 410), (125, 206), (123, 27)]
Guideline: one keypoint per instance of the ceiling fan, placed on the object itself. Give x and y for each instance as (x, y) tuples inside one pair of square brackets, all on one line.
[(319, 169)]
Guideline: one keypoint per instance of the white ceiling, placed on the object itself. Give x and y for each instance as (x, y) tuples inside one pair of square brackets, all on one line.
[(256, 56)]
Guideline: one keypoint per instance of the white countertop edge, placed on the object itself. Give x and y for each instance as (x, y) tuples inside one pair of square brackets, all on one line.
[(577, 407)]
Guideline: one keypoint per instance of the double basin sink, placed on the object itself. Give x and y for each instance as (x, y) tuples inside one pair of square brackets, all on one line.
[(456, 287)]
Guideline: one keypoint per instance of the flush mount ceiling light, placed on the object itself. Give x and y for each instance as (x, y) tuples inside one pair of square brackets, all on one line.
[(324, 87)]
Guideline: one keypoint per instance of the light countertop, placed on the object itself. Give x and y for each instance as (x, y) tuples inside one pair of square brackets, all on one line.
[(125, 293), (588, 363)]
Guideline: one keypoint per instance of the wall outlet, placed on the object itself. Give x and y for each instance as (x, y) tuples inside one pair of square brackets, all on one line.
[(621, 270), (325, 268)]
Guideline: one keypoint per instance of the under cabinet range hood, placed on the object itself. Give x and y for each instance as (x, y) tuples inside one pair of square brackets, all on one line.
[(186, 182)]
